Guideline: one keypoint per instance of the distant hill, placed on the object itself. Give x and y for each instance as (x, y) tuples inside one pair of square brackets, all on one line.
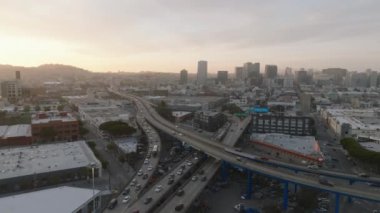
[(45, 72)]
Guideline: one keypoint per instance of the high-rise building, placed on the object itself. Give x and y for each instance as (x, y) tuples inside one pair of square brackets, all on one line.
[(18, 75), (12, 90), (270, 71), (239, 73), (222, 77), (251, 70), (373, 79), (183, 77), (336, 73), (202, 72), (302, 77)]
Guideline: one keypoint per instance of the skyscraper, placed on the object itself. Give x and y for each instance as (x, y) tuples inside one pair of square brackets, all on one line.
[(270, 71), (251, 70), (202, 72), (183, 77), (239, 73), (222, 77)]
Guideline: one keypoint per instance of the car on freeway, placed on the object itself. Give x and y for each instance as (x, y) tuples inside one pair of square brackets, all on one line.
[(194, 178), (140, 173), (362, 174), (204, 178), (201, 172), (149, 168), (238, 158), (112, 204), (374, 184), (146, 161), (312, 166), (189, 163), (145, 176), (179, 172), (148, 200), (126, 192), (179, 207), (126, 199), (324, 181), (180, 192), (170, 181), (238, 149)]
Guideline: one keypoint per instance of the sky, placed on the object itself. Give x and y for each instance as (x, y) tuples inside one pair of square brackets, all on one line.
[(170, 35)]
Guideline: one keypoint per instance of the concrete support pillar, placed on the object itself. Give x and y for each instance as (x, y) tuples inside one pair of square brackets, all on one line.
[(349, 197), (249, 184), (224, 171), (285, 196), (337, 202)]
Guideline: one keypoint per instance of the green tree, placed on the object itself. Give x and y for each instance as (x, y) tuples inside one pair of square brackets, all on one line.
[(60, 107), (164, 111), (27, 108), (46, 108), (117, 128)]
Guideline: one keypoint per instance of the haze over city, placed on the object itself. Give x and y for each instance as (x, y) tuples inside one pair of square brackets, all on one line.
[(169, 35)]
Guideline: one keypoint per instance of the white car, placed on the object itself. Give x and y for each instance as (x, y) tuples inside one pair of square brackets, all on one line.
[(150, 168), (189, 163), (194, 178), (146, 161), (126, 199)]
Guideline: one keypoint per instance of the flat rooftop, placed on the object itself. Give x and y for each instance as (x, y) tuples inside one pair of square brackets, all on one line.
[(306, 145), (371, 146), (21, 130), (358, 118), (46, 117), (30, 160), (58, 200)]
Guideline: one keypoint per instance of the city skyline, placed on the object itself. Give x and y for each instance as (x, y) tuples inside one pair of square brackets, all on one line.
[(169, 36)]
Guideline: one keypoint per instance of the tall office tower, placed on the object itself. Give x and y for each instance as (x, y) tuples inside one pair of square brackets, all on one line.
[(222, 77), (18, 75), (239, 73), (251, 70), (288, 71), (338, 74), (271, 71), (183, 77), (302, 77), (202, 72), (373, 79)]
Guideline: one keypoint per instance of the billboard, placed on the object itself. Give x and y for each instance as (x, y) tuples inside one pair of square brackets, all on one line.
[(258, 109)]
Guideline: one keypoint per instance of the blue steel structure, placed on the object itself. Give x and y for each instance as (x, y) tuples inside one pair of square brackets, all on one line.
[(249, 190)]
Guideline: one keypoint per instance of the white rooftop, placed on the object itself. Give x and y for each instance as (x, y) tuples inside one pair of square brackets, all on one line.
[(371, 146), (29, 160), (306, 145), (58, 200), (21, 130)]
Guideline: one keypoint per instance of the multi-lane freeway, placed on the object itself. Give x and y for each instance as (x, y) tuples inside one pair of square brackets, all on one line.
[(217, 150)]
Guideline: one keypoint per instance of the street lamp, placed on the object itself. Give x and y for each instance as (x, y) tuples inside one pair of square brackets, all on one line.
[(92, 166)]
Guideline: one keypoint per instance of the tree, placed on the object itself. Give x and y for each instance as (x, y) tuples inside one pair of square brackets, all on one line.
[(164, 111), (117, 128), (26, 108), (37, 108), (232, 108), (60, 107), (46, 108)]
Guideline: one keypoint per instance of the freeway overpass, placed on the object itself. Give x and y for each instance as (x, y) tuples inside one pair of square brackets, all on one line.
[(193, 189), (217, 151)]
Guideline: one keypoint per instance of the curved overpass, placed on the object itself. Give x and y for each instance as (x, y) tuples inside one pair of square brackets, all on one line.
[(217, 150)]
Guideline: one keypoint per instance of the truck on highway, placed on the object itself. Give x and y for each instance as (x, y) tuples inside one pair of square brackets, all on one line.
[(155, 150), (324, 181)]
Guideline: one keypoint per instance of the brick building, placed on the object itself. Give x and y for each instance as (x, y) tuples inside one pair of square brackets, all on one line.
[(54, 126)]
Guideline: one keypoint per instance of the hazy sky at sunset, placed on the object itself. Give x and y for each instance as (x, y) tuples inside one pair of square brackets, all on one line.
[(168, 35)]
